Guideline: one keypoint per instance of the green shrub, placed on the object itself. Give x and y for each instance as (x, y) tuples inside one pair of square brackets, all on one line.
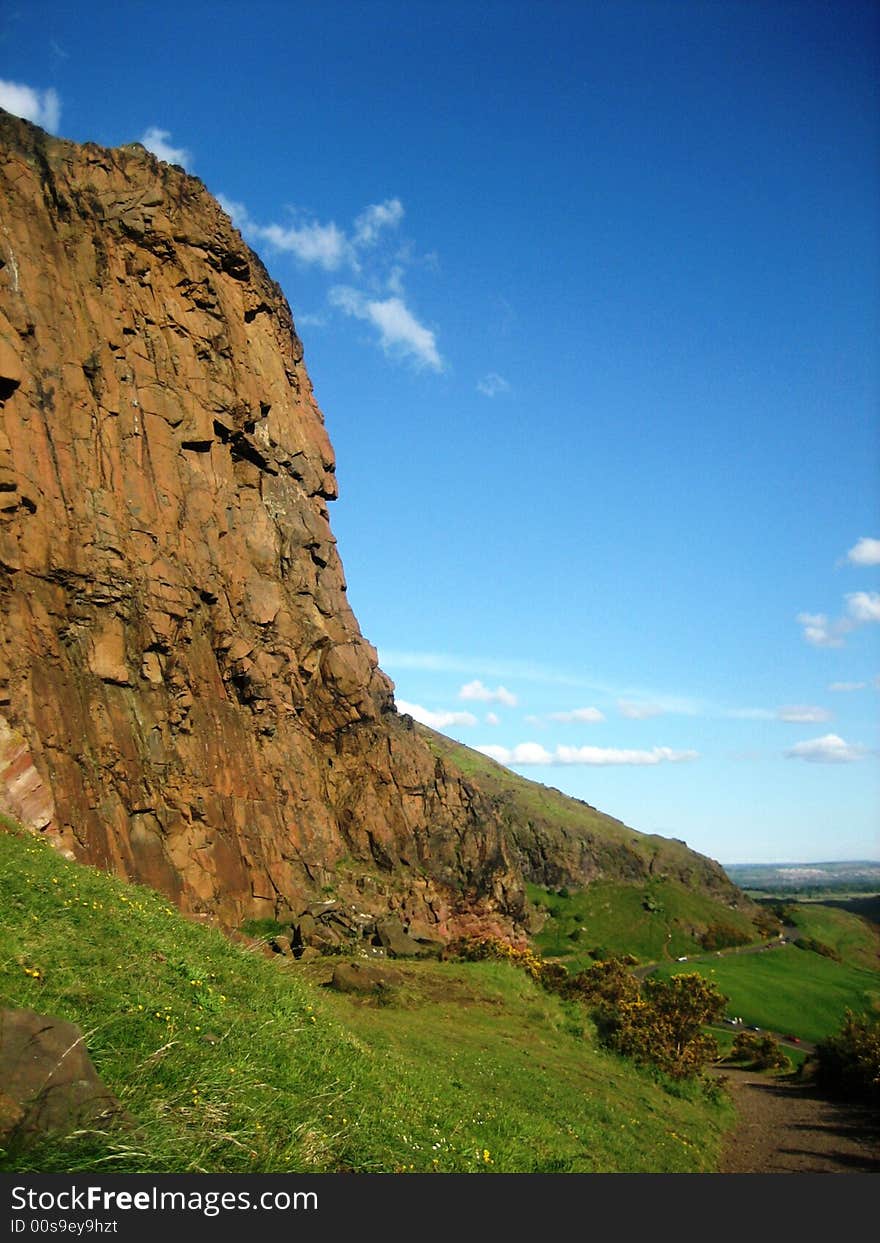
[(849, 1063), (818, 947), (721, 936)]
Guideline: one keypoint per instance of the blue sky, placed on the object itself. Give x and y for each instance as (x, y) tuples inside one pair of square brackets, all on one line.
[(589, 296)]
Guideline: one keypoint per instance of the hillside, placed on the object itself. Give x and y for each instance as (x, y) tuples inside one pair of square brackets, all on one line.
[(561, 841), (230, 1061)]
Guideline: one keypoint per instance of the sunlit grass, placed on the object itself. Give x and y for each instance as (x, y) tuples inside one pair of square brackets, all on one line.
[(230, 1061)]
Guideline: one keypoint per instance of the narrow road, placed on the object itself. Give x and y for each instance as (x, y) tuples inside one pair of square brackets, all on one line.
[(786, 1127)]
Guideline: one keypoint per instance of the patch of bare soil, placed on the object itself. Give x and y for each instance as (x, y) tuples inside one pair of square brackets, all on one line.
[(787, 1127)]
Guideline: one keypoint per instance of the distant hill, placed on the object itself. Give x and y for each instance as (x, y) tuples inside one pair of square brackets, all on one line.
[(862, 875)]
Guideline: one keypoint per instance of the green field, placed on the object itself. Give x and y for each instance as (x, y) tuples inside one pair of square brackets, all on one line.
[(657, 921), (230, 1061), (788, 990)]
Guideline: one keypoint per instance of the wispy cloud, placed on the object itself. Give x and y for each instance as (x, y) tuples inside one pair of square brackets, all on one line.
[(450, 662), (42, 107), (309, 241), (373, 219), (820, 632), (157, 141), (830, 749), (803, 714), (862, 608), (580, 715), (400, 333), (844, 687), (492, 718), (309, 319), (483, 667), (865, 552), (436, 720), (325, 245), (493, 384), (525, 754), (483, 694), (638, 711)]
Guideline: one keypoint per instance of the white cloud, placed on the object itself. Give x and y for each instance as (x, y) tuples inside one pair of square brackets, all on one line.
[(501, 754), (476, 690), (374, 219), (865, 552), (819, 632), (436, 720), (493, 384), (156, 140), (614, 755), (829, 749), (638, 711), (864, 606), (492, 718), (847, 686), (803, 714), (237, 212), (322, 244), (308, 319), (400, 333), (43, 108), (529, 753), (578, 714)]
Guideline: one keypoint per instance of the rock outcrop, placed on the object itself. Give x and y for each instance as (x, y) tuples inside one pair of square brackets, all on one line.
[(185, 696), (48, 1084)]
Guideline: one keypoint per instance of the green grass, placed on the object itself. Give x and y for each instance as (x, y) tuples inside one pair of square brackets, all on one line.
[(788, 990), (617, 916), (231, 1061), (855, 939)]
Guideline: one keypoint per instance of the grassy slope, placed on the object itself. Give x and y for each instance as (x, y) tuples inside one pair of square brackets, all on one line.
[(232, 1062), (787, 989), (855, 939), (614, 915)]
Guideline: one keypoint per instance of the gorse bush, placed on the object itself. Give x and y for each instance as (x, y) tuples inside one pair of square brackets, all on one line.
[(849, 1062), (663, 1024), (761, 1052), (658, 1022)]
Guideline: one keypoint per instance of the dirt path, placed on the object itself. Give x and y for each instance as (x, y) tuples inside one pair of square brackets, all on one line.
[(787, 1128)]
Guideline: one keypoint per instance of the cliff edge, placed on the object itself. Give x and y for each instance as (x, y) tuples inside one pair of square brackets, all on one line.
[(185, 696)]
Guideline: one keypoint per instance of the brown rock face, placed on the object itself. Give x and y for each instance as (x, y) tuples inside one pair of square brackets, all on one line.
[(186, 697)]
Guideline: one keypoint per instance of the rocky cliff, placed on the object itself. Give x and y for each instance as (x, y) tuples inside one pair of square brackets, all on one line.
[(185, 696)]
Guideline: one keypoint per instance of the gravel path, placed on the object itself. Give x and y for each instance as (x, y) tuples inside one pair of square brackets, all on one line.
[(786, 1127)]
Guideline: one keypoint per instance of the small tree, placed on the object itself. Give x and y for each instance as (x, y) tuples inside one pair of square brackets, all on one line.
[(761, 1052), (664, 1024)]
